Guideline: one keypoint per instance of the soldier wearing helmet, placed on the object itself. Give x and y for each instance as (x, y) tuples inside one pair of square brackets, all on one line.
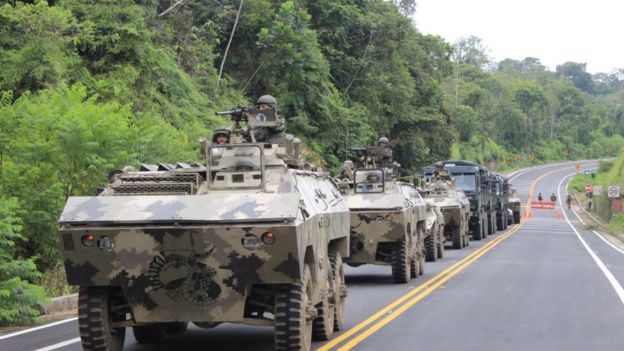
[(440, 172), (268, 134), (385, 152), (244, 165), (221, 136)]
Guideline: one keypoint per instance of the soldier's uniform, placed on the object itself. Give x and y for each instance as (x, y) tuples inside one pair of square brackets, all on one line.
[(269, 134), (440, 172)]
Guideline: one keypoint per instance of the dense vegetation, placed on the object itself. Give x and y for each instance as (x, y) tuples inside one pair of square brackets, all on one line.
[(88, 86), (610, 172)]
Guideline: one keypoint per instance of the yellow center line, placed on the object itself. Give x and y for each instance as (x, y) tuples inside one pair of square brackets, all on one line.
[(400, 300), (428, 287)]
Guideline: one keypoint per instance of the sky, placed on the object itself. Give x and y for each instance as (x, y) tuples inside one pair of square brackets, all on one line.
[(554, 31)]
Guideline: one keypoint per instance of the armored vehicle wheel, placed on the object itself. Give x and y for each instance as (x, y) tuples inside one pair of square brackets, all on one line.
[(477, 231), (414, 269), (98, 308), (400, 263), (340, 289), (150, 334), (294, 314), (457, 238), (323, 325), (440, 245), (516, 217), (421, 265), (431, 248), (176, 327)]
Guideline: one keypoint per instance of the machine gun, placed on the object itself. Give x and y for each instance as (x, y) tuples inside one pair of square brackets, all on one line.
[(246, 118), (374, 156)]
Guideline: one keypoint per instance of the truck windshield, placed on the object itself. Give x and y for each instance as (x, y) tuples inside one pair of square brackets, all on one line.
[(466, 182), (233, 166)]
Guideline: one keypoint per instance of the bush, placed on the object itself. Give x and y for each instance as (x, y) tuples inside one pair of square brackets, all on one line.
[(17, 295)]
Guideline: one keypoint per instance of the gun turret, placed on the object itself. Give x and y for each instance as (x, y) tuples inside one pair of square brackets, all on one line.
[(246, 118)]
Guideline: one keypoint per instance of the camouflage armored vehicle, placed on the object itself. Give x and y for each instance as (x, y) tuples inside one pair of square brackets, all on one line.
[(515, 205), (476, 182), (454, 206), (388, 217), (250, 237)]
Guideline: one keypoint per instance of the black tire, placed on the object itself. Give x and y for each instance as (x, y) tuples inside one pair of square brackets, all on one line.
[(414, 269), (323, 324), (477, 231), (95, 315), (177, 327), (150, 334), (400, 263), (457, 238), (500, 222), (293, 326), (431, 254), (340, 289), (440, 243), (516, 217)]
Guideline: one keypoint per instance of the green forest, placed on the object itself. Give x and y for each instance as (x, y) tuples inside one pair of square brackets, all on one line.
[(89, 86)]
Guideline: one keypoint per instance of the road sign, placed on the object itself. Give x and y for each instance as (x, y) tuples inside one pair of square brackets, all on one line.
[(578, 167), (613, 191), (597, 190), (588, 188)]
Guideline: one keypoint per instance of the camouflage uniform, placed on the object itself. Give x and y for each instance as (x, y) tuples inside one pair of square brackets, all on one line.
[(270, 134)]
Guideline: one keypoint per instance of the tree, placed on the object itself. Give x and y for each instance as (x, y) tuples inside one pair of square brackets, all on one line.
[(577, 74), (18, 296)]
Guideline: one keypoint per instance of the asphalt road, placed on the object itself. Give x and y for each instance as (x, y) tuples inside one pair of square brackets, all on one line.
[(546, 284)]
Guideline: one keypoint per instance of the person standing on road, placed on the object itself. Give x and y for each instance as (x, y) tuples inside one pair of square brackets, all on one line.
[(569, 201), (553, 198), (539, 197)]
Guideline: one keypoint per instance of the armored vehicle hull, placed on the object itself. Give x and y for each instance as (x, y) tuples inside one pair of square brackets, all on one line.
[(264, 249), (455, 209), (388, 228)]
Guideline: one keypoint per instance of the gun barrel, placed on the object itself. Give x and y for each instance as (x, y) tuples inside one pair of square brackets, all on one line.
[(234, 111)]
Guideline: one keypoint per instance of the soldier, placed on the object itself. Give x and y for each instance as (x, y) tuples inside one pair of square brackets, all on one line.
[(346, 171), (386, 151), (244, 165), (221, 136), (440, 173), (270, 134)]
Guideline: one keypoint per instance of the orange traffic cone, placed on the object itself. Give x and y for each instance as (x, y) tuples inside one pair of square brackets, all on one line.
[(559, 216), (528, 214)]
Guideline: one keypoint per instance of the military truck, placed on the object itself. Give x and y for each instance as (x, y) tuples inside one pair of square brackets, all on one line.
[(253, 236), (502, 201), (515, 205), (455, 209), (475, 181), (388, 217)]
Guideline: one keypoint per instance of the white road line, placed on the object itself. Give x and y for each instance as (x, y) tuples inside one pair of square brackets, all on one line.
[(614, 283), (595, 232), (6, 336), (59, 345)]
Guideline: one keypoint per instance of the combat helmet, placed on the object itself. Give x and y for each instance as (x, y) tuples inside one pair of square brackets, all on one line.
[(269, 100), (383, 140), (221, 131)]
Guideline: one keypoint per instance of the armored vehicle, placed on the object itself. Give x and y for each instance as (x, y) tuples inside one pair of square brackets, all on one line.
[(253, 236), (475, 181), (451, 201), (515, 206), (502, 201), (388, 217)]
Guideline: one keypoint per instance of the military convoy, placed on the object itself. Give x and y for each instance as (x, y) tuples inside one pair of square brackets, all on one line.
[(477, 183), (256, 235), (388, 217)]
